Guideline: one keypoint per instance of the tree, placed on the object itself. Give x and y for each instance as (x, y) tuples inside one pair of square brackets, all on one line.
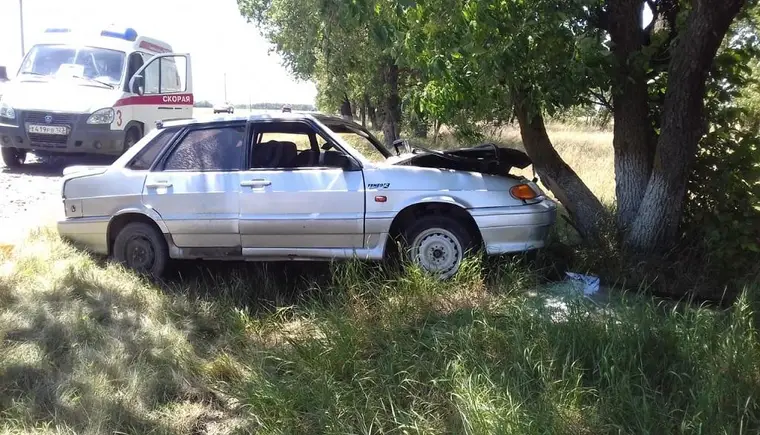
[(347, 47), (538, 56)]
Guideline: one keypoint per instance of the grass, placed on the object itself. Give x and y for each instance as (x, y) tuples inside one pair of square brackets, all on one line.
[(90, 348)]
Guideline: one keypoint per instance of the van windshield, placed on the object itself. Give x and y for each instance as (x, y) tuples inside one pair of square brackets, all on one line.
[(103, 65)]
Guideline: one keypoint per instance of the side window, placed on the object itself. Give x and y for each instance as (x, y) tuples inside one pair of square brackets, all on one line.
[(144, 159), (166, 75), (210, 149), (292, 145)]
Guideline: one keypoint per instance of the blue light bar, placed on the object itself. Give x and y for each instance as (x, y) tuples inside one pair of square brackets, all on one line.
[(129, 34), (55, 30)]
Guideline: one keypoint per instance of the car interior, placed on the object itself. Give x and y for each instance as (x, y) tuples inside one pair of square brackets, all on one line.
[(272, 153)]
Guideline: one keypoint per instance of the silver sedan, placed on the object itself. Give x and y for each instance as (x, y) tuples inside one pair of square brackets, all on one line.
[(300, 187)]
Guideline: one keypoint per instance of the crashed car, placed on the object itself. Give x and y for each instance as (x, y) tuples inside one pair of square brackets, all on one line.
[(297, 187)]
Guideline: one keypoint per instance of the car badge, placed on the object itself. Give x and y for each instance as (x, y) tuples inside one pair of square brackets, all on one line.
[(48, 119)]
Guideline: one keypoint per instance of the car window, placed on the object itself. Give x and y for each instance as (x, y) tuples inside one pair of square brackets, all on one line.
[(289, 145), (210, 149), (144, 159)]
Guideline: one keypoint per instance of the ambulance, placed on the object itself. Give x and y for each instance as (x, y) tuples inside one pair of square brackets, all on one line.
[(91, 92)]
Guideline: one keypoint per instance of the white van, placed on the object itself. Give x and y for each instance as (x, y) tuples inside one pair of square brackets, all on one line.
[(91, 93)]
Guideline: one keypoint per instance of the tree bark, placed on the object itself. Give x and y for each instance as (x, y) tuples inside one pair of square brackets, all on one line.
[(391, 103), (633, 140), (655, 228), (363, 110), (345, 108), (585, 209)]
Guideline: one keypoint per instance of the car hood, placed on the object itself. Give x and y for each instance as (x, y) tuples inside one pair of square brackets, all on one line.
[(485, 158), (58, 95)]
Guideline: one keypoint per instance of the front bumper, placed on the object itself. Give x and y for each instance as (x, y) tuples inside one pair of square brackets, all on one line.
[(82, 138), (515, 229)]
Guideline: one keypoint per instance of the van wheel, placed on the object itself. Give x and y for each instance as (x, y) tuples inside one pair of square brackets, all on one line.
[(142, 248), (13, 157), (437, 244), (131, 138)]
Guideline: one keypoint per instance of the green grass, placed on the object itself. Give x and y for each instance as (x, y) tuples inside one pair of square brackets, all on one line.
[(89, 348)]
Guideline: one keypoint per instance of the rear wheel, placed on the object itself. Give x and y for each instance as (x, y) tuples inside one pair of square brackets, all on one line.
[(437, 244), (13, 157), (142, 248)]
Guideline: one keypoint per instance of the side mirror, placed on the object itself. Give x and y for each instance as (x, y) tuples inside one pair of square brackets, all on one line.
[(136, 84), (398, 143)]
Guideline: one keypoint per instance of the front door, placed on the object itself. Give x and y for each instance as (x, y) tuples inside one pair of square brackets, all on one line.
[(163, 88), (297, 197), (196, 186)]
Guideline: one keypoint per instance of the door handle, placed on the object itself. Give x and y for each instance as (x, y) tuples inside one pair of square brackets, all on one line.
[(158, 184), (256, 183)]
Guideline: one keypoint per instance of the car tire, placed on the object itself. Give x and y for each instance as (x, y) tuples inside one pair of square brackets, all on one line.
[(141, 248), (131, 137), (437, 244), (13, 157)]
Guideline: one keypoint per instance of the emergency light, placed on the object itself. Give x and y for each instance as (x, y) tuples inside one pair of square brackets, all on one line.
[(129, 34)]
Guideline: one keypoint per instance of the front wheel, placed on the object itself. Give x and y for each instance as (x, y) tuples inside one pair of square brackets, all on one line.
[(131, 138), (13, 157), (437, 244), (142, 248)]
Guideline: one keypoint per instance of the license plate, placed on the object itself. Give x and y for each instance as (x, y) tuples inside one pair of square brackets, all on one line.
[(48, 129)]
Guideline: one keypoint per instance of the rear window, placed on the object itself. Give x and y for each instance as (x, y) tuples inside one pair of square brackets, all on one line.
[(144, 159)]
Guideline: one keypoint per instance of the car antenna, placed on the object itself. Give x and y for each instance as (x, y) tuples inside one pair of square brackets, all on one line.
[(160, 124)]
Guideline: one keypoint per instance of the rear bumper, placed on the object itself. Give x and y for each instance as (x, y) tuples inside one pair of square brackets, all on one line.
[(89, 234), (515, 229), (82, 138)]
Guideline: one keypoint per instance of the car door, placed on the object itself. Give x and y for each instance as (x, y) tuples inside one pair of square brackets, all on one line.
[(162, 89), (195, 188), (293, 200)]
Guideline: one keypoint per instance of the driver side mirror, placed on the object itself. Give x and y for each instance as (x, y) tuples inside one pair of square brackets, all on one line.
[(136, 84), (398, 143)]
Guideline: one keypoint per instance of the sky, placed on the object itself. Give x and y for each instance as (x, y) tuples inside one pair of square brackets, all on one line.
[(215, 34)]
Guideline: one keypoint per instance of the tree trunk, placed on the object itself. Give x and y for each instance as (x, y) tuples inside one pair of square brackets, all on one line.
[(345, 108), (585, 209), (363, 110), (633, 139), (391, 103), (655, 228)]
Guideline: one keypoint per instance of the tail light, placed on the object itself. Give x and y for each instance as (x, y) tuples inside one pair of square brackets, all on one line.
[(523, 192)]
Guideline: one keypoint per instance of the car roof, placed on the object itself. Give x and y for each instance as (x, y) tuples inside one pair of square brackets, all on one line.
[(272, 116)]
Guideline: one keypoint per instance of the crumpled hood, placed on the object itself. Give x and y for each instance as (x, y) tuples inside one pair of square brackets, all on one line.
[(58, 95)]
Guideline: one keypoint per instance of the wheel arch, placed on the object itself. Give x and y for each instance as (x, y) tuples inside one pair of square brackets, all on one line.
[(452, 209), (123, 218)]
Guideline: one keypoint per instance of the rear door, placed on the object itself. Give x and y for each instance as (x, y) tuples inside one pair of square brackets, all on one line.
[(162, 89), (195, 188)]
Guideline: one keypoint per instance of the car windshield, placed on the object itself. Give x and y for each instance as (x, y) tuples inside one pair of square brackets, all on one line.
[(99, 64), (359, 139)]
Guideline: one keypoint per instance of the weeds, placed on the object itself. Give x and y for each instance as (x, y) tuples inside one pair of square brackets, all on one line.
[(354, 348)]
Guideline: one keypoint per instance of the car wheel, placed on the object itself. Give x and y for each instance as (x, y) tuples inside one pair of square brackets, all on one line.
[(13, 157), (142, 248), (131, 138), (437, 244)]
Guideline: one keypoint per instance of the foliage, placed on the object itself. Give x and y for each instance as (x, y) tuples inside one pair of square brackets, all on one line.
[(723, 207)]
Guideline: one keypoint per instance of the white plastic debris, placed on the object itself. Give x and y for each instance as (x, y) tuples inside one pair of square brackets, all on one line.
[(590, 284)]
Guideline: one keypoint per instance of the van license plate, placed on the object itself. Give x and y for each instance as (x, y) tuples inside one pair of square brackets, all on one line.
[(48, 129)]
